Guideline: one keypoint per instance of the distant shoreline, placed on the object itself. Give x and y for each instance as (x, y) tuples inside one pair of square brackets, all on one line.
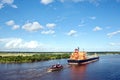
[(25, 57), (30, 57)]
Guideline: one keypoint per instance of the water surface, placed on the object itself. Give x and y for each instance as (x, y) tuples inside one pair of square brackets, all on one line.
[(106, 68)]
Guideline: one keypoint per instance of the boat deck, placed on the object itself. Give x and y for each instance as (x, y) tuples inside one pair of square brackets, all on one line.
[(83, 61)]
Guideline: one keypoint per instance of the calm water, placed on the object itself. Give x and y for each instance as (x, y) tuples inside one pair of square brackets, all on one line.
[(107, 68)]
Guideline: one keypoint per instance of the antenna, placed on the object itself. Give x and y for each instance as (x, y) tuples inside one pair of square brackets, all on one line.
[(78, 48), (83, 49)]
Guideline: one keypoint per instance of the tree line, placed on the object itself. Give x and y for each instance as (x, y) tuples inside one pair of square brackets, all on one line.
[(33, 58)]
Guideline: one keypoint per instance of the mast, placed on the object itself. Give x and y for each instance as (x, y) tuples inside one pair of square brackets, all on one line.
[(78, 49), (83, 50)]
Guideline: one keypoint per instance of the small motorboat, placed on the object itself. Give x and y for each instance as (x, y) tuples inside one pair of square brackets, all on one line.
[(55, 67)]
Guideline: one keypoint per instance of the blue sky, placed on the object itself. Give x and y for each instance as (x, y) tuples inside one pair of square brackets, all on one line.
[(59, 25)]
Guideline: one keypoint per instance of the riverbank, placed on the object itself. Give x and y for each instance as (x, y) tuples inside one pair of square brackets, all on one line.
[(24, 57), (30, 57)]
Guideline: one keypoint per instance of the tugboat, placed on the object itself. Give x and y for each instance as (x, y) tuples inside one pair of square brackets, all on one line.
[(55, 67), (78, 57)]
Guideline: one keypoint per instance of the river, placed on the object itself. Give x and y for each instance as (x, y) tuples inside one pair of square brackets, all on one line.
[(106, 68)]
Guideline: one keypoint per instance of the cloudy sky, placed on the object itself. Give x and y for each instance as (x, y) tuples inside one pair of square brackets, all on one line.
[(59, 25)]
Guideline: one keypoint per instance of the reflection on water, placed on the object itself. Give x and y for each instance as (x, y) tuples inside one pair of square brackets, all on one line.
[(78, 71), (107, 68), (27, 71), (21, 74)]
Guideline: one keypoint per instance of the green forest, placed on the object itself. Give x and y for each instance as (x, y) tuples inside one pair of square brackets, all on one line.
[(32, 58), (22, 57)]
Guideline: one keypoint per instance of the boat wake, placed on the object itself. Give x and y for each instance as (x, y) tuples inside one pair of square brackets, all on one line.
[(27, 74)]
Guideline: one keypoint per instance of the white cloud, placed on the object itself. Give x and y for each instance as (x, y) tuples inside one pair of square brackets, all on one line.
[(1, 6), (10, 23), (114, 44), (97, 28), (15, 27), (92, 17), (35, 26), (113, 33), (46, 1), (7, 1), (48, 32), (3, 3), (14, 6), (72, 0), (50, 25), (95, 2), (18, 43), (81, 25), (72, 33)]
